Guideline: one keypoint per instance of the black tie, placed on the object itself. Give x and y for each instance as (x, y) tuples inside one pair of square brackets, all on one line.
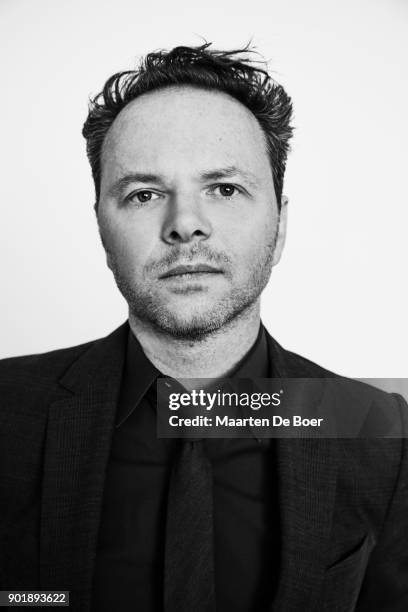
[(189, 554)]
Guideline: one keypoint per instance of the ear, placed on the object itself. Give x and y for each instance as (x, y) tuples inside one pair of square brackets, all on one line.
[(107, 254), (281, 235), (108, 260)]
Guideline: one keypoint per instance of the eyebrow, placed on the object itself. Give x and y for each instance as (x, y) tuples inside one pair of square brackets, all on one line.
[(209, 175), (228, 172), (134, 177)]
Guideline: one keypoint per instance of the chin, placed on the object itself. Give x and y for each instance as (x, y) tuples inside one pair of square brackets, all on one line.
[(187, 327), (193, 317), (185, 324)]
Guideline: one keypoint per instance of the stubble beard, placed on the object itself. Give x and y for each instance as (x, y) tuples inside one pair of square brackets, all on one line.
[(153, 311)]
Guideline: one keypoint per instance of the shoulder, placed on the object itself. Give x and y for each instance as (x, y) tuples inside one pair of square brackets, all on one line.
[(293, 365), (38, 369), (37, 374), (361, 407), (356, 392)]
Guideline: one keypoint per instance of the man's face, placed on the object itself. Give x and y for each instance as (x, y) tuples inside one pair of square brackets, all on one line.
[(187, 212)]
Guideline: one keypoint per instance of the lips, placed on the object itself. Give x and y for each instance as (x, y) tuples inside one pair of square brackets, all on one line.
[(190, 269)]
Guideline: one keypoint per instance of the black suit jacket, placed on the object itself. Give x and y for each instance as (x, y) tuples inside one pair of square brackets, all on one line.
[(343, 503)]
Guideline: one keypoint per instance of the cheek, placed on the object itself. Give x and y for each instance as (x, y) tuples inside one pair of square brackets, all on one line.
[(249, 239), (126, 245)]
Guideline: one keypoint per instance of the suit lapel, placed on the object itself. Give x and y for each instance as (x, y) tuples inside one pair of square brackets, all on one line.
[(79, 431), (307, 470)]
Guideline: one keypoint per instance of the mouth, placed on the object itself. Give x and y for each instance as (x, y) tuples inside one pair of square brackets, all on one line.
[(191, 271)]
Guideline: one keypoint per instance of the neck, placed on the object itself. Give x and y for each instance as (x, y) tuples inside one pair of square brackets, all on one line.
[(212, 356)]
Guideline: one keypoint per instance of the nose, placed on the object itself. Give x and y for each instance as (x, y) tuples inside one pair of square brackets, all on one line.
[(185, 221)]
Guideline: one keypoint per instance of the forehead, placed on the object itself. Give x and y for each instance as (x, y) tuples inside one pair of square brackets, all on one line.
[(185, 125)]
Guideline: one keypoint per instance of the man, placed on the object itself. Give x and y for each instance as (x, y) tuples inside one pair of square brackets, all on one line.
[(188, 156)]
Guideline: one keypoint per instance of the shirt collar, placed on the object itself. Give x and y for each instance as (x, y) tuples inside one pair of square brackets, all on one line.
[(138, 376), (139, 373), (255, 364)]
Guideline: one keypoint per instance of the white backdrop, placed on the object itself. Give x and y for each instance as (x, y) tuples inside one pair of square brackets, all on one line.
[(339, 295)]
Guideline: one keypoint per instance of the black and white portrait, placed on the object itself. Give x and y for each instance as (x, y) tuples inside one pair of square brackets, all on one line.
[(194, 197)]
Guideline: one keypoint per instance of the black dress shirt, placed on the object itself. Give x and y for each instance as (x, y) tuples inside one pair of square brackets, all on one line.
[(130, 552)]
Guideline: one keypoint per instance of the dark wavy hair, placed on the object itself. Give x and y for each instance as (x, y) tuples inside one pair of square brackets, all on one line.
[(231, 72)]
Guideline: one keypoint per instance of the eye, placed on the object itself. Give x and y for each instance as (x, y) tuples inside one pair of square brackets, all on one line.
[(142, 196), (226, 190)]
